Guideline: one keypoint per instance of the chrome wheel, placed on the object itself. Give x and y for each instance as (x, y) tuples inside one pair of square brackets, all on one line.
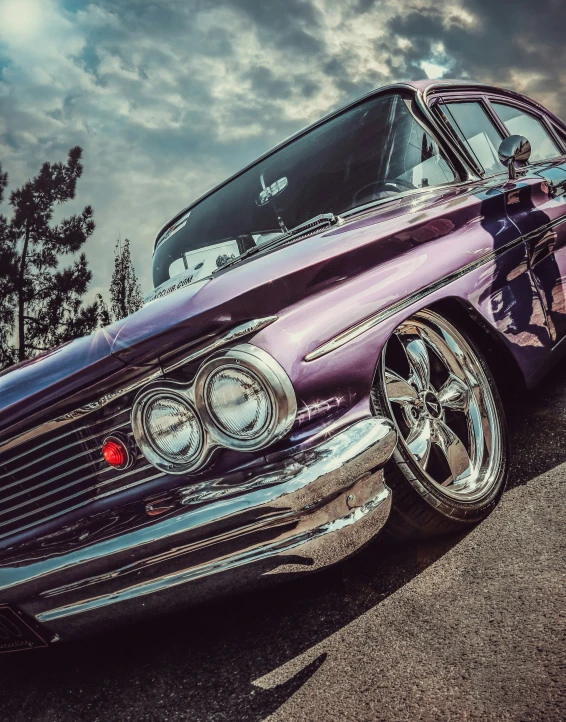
[(439, 396)]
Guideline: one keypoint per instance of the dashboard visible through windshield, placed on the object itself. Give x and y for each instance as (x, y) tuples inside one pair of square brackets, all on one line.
[(370, 152)]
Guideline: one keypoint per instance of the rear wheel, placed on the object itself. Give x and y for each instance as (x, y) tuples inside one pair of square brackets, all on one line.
[(450, 464)]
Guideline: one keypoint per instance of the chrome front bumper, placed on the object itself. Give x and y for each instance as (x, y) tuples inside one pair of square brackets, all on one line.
[(303, 512)]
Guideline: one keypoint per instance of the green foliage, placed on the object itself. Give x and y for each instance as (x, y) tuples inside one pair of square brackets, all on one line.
[(7, 261), (40, 304), (125, 291)]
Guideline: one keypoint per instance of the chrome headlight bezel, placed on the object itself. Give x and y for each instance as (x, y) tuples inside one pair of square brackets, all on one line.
[(272, 377), (251, 359), (149, 393)]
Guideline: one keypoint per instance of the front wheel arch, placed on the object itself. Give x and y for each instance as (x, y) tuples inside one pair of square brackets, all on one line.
[(501, 362)]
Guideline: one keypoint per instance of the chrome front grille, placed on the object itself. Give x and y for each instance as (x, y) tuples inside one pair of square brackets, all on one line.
[(47, 473), (63, 470)]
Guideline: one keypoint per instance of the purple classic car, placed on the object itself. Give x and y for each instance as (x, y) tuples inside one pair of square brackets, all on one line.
[(322, 357)]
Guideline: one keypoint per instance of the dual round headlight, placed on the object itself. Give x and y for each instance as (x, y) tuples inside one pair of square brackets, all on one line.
[(172, 428), (241, 399), (238, 402)]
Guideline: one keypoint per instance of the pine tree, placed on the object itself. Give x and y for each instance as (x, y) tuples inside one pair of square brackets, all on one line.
[(41, 305), (125, 291), (7, 263)]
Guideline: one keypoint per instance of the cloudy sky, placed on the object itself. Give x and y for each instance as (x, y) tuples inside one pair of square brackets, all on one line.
[(168, 97)]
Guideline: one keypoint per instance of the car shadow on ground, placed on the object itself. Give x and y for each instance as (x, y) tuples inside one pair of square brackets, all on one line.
[(202, 664), (537, 428)]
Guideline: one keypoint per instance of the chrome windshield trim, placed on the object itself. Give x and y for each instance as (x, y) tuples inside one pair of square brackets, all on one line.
[(376, 91), (352, 213)]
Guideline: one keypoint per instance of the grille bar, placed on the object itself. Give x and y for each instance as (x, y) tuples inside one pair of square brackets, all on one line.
[(42, 472), (53, 440), (64, 472), (57, 489), (67, 498), (68, 509)]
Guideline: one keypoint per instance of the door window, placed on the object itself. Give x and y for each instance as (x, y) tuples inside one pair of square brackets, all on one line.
[(476, 131), (518, 122)]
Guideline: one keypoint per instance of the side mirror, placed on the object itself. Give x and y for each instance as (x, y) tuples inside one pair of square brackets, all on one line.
[(514, 152)]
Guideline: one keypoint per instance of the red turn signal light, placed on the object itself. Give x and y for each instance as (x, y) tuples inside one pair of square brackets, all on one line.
[(115, 453)]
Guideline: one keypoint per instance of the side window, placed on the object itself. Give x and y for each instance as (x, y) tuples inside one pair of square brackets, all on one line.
[(472, 125), (518, 122), (415, 159)]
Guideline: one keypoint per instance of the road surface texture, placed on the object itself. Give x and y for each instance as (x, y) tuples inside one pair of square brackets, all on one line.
[(467, 628)]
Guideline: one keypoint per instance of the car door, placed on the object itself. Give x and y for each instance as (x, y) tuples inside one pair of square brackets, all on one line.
[(535, 203)]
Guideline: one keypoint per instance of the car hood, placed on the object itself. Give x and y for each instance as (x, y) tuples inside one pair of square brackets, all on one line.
[(260, 286)]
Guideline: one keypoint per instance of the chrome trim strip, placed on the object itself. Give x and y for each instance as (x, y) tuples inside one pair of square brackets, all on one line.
[(544, 229), (234, 334), (354, 331)]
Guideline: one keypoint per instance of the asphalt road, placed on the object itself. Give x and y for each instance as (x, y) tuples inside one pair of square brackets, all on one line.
[(468, 628)]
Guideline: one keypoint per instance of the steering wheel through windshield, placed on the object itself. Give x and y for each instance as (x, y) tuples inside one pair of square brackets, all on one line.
[(370, 192)]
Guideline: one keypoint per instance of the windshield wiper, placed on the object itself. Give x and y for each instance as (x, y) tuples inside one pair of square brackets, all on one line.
[(308, 228)]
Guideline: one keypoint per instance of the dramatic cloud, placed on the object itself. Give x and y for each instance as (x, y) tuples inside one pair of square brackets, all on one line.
[(169, 97)]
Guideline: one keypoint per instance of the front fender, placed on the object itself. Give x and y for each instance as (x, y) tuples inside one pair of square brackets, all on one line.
[(329, 345)]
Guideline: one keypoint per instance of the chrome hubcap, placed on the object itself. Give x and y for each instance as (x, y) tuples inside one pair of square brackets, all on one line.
[(443, 405)]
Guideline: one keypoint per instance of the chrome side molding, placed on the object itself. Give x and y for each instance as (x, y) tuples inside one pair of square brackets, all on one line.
[(353, 332)]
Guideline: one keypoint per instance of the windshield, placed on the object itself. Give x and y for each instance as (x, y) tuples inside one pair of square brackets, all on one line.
[(372, 151)]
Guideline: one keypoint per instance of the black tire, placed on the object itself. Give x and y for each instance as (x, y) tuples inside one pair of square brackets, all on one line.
[(421, 509)]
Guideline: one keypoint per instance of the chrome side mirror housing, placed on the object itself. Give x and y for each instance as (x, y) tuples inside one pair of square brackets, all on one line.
[(514, 152)]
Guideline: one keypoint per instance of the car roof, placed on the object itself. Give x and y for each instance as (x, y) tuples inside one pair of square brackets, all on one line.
[(422, 88)]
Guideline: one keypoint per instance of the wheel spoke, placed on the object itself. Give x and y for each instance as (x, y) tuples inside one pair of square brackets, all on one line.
[(454, 394), (417, 356), (419, 441), (399, 390), (478, 434), (451, 356), (454, 451)]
